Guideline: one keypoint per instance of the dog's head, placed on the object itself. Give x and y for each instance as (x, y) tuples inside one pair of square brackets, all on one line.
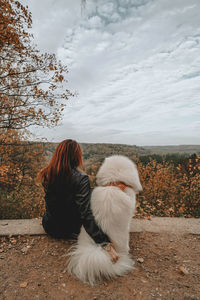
[(119, 168)]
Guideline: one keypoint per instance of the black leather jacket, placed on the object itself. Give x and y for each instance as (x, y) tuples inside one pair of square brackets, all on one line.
[(68, 208)]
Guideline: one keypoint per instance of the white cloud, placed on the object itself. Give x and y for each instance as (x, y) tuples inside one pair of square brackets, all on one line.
[(135, 65), (51, 19), (106, 9), (95, 22)]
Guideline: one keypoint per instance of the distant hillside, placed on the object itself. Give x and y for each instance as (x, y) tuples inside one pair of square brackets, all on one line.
[(181, 149), (93, 153)]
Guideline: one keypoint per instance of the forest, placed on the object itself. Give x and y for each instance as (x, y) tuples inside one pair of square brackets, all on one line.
[(171, 182)]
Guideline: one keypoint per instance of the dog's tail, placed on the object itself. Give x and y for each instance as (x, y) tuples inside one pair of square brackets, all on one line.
[(91, 263)]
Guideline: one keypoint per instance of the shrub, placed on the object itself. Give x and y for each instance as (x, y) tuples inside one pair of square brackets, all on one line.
[(168, 190)]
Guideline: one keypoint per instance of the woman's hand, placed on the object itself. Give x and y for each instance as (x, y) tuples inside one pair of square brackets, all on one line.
[(109, 248)]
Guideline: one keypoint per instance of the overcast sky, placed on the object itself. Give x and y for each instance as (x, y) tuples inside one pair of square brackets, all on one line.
[(135, 65)]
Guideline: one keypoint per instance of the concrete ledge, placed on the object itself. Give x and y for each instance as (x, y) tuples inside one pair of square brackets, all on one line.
[(156, 224), (164, 224), (22, 227)]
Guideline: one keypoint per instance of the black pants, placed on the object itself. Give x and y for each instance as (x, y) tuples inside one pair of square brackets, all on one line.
[(57, 230)]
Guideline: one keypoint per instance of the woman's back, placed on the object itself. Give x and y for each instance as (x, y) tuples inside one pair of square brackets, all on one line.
[(67, 195), (62, 215)]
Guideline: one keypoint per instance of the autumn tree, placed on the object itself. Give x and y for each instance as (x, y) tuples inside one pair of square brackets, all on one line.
[(31, 84), (33, 88)]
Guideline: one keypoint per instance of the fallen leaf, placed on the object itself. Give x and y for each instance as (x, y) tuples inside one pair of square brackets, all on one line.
[(140, 260), (24, 250), (23, 284), (13, 241), (183, 270)]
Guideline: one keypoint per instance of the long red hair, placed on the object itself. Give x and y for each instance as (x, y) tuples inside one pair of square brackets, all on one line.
[(67, 155)]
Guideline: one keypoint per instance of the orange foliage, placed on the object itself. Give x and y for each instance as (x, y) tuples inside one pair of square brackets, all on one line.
[(32, 85), (20, 195), (169, 190), (32, 92)]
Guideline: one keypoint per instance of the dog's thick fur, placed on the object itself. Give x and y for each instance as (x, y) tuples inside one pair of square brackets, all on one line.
[(113, 210)]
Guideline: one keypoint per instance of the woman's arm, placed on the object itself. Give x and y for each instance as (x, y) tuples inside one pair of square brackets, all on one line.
[(82, 199)]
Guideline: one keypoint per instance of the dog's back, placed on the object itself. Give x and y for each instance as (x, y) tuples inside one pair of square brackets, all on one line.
[(113, 210)]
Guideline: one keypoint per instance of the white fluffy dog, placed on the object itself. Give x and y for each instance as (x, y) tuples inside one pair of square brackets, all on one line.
[(113, 209)]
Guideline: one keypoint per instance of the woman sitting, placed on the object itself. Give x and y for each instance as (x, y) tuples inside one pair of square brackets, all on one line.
[(67, 197)]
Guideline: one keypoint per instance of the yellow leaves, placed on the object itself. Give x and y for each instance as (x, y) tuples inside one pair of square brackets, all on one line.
[(26, 73), (181, 209), (60, 78), (159, 202), (21, 164), (51, 68), (169, 190)]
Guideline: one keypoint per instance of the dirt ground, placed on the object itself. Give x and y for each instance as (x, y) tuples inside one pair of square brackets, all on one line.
[(167, 266)]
